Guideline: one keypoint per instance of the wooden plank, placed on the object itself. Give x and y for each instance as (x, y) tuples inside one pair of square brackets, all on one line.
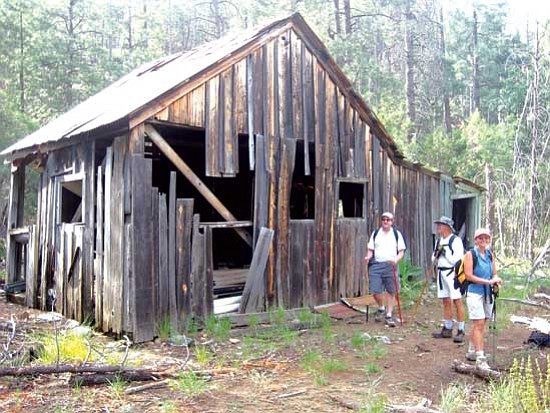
[(198, 271), (137, 141), (240, 112), (288, 155), (261, 188), (164, 287), (209, 273), (172, 288), (250, 85), (98, 261), (284, 71), (31, 290), (195, 180), (107, 292), (228, 143), (184, 222), (273, 158), (117, 231), (128, 307), (253, 298), (79, 277), (15, 219), (197, 101), (297, 110), (300, 249), (155, 253), (141, 296), (212, 127), (259, 88), (88, 249)]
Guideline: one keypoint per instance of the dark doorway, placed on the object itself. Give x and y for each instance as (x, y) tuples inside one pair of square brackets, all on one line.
[(463, 218)]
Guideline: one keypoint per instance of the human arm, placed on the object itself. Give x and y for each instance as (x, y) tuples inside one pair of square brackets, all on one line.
[(370, 249), (369, 255)]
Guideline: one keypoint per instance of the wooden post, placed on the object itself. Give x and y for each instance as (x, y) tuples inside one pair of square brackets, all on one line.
[(194, 180), (15, 219)]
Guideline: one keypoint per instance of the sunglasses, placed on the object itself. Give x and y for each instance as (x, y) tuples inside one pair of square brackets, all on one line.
[(386, 219)]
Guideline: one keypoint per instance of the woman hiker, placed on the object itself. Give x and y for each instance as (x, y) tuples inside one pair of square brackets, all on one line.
[(480, 270)]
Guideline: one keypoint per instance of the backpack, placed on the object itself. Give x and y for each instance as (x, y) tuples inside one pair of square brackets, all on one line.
[(460, 281), (450, 244)]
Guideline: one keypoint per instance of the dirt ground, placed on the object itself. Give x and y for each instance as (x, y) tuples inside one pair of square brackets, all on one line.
[(413, 367)]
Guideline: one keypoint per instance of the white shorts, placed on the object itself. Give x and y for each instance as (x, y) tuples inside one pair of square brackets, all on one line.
[(479, 307), (446, 285)]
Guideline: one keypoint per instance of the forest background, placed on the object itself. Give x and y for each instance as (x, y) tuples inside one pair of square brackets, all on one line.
[(458, 90)]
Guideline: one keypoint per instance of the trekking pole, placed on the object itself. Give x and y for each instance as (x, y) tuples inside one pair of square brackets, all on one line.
[(493, 325), (419, 299), (394, 266)]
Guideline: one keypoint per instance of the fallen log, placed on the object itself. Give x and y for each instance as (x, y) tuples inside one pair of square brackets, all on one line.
[(70, 368), (145, 387), (526, 302), (103, 378), (485, 374), (394, 408)]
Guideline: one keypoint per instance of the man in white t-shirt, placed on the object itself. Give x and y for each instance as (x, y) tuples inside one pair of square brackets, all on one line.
[(385, 249), (448, 250)]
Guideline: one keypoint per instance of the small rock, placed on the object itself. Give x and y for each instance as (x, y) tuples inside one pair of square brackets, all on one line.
[(48, 317), (234, 340), (82, 331), (366, 336), (70, 324), (383, 339), (180, 340)]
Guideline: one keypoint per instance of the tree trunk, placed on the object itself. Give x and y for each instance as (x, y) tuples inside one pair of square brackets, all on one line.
[(489, 199), (475, 101), (446, 104), (337, 23), (347, 17), (409, 78)]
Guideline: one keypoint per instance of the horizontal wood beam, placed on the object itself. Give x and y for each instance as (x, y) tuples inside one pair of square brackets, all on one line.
[(226, 224), (179, 163)]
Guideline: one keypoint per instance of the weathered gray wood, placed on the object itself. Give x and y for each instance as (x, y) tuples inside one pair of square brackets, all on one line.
[(198, 273), (98, 267), (253, 298), (31, 291), (128, 309), (155, 252), (261, 188), (301, 263), (209, 273), (194, 180), (172, 294), (107, 292), (141, 295), (15, 219), (164, 287), (250, 109), (89, 218), (184, 223)]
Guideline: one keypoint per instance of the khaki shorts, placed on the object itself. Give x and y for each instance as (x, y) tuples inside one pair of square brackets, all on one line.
[(479, 307), (446, 287)]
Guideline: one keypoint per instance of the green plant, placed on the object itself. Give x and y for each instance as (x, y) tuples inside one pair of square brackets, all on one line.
[(358, 340), (411, 281), (277, 316), (72, 348), (332, 365), (305, 316), (253, 322), (168, 406), (371, 368), (203, 355), (320, 379), (454, 398), (310, 360), (117, 386), (164, 329), (326, 326), (192, 327), (218, 328), (378, 351), (190, 384)]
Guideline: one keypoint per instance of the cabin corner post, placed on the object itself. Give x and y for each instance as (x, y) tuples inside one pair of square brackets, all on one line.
[(15, 218)]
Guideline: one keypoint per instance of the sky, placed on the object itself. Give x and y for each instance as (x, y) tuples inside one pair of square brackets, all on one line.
[(519, 11)]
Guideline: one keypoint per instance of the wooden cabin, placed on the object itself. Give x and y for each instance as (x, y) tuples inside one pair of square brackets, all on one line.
[(153, 193)]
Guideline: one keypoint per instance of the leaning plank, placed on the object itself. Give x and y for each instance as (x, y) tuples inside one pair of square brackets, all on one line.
[(254, 288), (155, 251), (172, 295), (242, 320), (194, 180), (209, 273), (184, 222), (98, 267), (164, 288), (15, 219), (32, 268), (197, 269), (141, 297)]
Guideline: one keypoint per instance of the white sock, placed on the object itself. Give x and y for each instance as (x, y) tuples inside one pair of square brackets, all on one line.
[(461, 325), (448, 324), (471, 347), (383, 308), (388, 314), (480, 354)]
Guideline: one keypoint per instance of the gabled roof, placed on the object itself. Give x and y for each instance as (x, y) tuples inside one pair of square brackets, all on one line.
[(113, 107)]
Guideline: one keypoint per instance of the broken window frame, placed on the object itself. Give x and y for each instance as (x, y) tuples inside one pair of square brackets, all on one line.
[(356, 181)]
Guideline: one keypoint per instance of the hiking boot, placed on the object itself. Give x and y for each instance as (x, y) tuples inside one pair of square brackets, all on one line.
[(459, 338), (379, 316), (389, 321), (471, 356), (481, 363), (444, 333)]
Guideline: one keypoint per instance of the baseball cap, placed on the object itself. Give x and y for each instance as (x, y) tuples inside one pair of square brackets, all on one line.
[(387, 215), (482, 231)]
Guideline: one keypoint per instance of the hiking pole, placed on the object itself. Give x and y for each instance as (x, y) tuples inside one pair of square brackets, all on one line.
[(493, 325), (394, 267), (419, 299)]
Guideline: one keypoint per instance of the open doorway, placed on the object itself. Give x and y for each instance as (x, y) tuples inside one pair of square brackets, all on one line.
[(463, 216)]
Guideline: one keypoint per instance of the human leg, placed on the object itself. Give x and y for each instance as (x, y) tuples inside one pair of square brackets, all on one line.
[(460, 314)]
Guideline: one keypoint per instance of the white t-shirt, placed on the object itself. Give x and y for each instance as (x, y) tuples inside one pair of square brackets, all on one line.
[(449, 259), (385, 248)]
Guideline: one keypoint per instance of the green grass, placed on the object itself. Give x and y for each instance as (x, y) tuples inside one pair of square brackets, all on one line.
[(277, 316), (190, 384), (310, 360), (332, 366), (371, 368), (164, 329), (117, 387), (203, 355), (454, 398), (305, 316), (168, 406), (358, 340), (218, 328), (72, 348)]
